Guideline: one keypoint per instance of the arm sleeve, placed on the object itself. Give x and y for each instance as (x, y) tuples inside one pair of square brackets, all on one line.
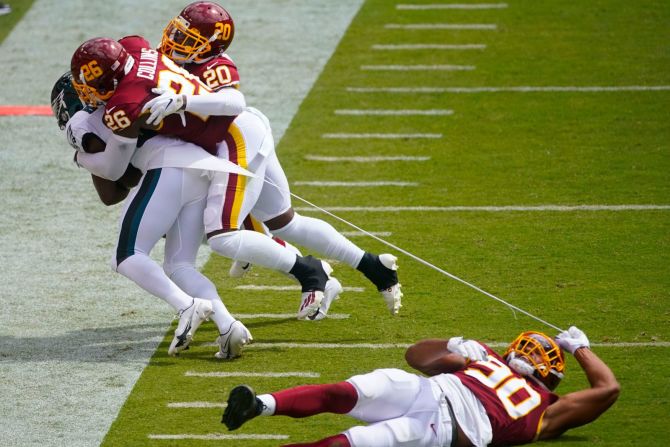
[(227, 102), (112, 163)]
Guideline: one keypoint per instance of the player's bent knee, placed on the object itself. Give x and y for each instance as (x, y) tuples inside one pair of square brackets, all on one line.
[(171, 268), (226, 244), (383, 381)]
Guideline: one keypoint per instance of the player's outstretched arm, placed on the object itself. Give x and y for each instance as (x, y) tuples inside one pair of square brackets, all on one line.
[(224, 102), (432, 357), (581, 407)]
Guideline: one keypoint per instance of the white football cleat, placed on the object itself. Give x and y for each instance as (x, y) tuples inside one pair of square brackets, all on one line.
[(232, 342), (392, 295), (309, 303), (190, 320), (239, 268), (332, 293)]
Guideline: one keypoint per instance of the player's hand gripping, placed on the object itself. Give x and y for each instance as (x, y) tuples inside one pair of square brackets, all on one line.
[(469, 349), (166, 103), (572, 339)]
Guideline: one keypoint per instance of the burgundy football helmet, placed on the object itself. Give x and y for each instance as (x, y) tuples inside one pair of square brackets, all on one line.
[(536, 355), (200, 32), (97, 66)]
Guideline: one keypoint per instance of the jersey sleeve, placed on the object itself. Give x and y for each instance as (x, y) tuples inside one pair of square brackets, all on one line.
[(82, 123), (219, 73)]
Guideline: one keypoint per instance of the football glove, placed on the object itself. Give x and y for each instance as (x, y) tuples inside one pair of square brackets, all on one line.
[(166, 103), (469, 349), (572, 339)]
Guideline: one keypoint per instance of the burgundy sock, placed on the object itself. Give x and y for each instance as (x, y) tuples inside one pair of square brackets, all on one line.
[(308, 400), (334, 441)]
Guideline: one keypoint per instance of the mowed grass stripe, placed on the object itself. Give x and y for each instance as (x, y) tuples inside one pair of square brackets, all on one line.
[(355, 184), (418, 67), (392, 112), (427, 46), (365, 158), (264, 374), (514, 89), (491, 209), (382, 136), (442, 26), (436, 6)]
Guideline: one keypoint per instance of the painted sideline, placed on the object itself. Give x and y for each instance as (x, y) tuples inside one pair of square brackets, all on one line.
[(25, 110)]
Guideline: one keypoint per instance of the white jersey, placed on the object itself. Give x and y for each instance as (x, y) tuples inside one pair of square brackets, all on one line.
[(469, 411), (157, 152)]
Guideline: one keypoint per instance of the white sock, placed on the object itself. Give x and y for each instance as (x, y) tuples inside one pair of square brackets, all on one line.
[(269, 404), (253, 247), (191, 281), (321, 237), (147, 274)]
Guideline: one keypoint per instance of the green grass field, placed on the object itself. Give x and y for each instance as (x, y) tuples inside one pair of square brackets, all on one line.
[(603, 270)]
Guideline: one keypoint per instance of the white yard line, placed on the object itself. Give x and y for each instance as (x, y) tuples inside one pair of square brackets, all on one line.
[(281, 317), (427, 46), (518, 89), (368, 159), (345, 136), (217, 437), (417, 67), (447, 26), (494, 344), (399, 112), (355, 184), (360, 233), (493, 209), (197, 405), (286, 288), (219, 374), (451, 6)]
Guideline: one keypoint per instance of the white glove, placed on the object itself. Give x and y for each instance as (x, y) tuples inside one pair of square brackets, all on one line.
[(469, 349), (163, 105), (572, 339)]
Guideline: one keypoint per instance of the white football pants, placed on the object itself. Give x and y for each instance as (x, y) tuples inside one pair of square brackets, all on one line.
[(402, 409), (232, 197), (168, 202)]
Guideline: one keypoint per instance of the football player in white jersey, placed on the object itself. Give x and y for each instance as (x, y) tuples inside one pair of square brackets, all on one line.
[(122, 76), (169, 201), (197, 39), (472, 397)]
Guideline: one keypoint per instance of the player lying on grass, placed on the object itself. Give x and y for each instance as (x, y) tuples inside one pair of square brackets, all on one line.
[(197, 39), (472, 397)]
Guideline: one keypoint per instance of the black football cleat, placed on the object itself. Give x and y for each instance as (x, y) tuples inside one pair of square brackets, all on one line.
[(242, 406)]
